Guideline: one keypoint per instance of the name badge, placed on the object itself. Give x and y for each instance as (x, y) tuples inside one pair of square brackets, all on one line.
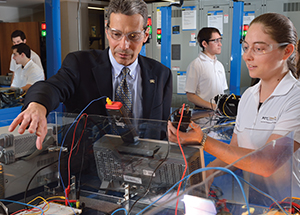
[(268, 119)]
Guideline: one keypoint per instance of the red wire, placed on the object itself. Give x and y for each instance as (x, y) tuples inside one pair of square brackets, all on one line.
[(81, 136), (186, 165), (67, 191), (19, 211), (27, 210)]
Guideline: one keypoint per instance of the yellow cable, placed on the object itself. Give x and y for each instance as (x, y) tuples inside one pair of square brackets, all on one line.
[(226, 101), (58, 197), (54, 197), (9, 93), (39, 197)]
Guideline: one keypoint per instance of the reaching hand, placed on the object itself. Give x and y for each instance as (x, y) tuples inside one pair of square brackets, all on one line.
[(35, 117), (193, 136)]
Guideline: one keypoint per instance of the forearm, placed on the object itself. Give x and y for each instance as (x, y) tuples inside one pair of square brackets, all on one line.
[(199, 101), (44, 94), (26, 87), (264, 161), (256, 163), (58, 88), (219, 163)]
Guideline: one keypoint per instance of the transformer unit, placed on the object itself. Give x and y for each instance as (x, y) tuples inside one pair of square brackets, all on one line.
[(135, 164), (15, 177), (14, 145)]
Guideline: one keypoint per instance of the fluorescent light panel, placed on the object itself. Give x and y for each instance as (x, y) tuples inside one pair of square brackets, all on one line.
[(96, 8)]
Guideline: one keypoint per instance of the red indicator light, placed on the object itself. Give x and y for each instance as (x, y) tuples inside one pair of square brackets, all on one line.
[(43, 26), (149, 21), (246, 27)]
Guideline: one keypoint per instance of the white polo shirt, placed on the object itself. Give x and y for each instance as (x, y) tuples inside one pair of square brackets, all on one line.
[(205, 77), (30, 74), (279, 114), (33, 56)]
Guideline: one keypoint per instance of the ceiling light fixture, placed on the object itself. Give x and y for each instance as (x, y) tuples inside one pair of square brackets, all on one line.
[(96, 8)]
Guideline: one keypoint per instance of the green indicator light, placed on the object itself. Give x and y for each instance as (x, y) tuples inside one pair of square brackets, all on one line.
[(158, 36), (150, 29), (43, 33)]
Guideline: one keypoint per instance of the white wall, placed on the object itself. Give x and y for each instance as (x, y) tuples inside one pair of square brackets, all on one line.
[(14, 14), (69, 27)]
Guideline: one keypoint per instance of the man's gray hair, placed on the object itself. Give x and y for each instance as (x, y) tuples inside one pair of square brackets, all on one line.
[(128, 7)]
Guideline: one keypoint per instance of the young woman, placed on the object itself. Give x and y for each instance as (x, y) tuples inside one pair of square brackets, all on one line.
[(268, 110)]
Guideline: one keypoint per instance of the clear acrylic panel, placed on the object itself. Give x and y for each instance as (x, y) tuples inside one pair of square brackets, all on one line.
[(129, 163), (124, 157), (236, 192)]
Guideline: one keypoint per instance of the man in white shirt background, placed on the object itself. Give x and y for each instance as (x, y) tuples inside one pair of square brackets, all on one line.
[(27, 72), (18, 37), (206, 75)]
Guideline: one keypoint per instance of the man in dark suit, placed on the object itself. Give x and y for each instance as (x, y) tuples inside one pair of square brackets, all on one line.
[(88, 75)]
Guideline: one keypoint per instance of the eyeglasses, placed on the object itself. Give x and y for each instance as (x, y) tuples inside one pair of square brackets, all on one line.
[(135, 36), (218, 40), (261, 48)]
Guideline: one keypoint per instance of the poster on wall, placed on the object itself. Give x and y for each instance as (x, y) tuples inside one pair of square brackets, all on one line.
[(189, 18), (215, 19), (158, 18), (181, 78), (248, 17)]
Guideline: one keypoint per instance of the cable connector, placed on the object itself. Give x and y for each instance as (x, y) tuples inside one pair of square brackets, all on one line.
[(186, 118), (108, 101), (67, 192)]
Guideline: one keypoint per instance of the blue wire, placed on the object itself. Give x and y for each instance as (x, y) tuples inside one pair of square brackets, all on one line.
[(198, 171), (64, 141), (120, 209), (21, 203), (267, 195)]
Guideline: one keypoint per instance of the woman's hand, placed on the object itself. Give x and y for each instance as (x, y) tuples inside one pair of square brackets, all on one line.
[(193, 136)]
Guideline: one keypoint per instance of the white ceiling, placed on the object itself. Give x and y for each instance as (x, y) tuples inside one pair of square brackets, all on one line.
[(22, 3), (40, 3)]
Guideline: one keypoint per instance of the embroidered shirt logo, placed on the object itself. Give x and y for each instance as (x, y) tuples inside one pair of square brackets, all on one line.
[(268, 119)]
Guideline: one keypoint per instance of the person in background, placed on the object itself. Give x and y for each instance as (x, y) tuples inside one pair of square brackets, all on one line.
[(206, 75), (268, 110), (88, 75), (28, 72), (18, 37)]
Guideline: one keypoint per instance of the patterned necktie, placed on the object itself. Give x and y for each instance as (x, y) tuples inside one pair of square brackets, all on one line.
[(123, 93)]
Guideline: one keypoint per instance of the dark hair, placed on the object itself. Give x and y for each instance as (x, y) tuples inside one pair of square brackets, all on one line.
[(205, 35), (18, 33), (22, 48), (282, 30), (128, 7)]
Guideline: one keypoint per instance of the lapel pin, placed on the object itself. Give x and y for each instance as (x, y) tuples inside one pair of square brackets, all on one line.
[(152, 81)]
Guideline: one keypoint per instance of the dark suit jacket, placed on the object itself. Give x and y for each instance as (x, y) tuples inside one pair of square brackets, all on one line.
[(86, 75)]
